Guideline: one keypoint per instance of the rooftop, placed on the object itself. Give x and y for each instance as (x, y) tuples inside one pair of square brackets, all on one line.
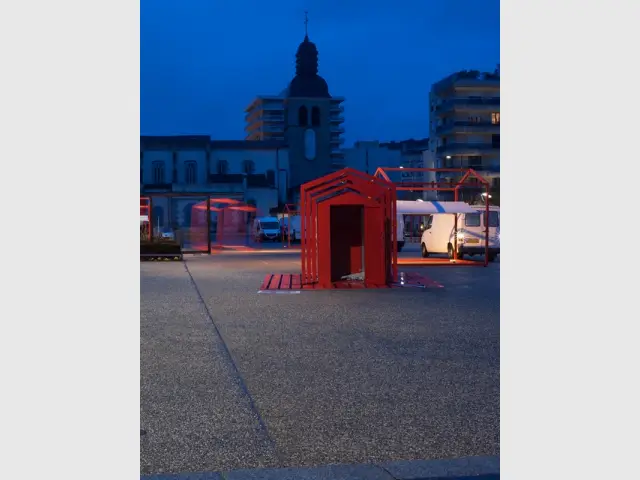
[(469, 75), (186, 142)]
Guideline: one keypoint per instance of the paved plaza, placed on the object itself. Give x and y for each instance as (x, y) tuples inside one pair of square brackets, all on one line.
[(232, 379)]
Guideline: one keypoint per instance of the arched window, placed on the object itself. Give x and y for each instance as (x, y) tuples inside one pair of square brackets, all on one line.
[(315, 117), (303, 116), (248, 167), (222, 167), (158, 172), (190, 173), (271, 177)]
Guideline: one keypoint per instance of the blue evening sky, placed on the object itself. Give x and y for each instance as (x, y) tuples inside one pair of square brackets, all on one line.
[(203, 61)]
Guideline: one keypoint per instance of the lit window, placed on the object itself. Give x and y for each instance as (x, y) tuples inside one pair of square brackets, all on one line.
[(495, 118)]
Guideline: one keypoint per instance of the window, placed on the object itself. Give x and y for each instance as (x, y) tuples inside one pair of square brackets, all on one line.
[(248, 167), (190, 173), (495, 118), (222, 167), (158, 172), (303, 116), (315, 117), (494, 218), (495, 141), (271, 177), (472, 220), (475, 161)]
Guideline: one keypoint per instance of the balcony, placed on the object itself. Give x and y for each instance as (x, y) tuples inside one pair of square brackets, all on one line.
[(468, 149), (337, 129), (336, 152), (478, 167), (469, 104), (468, 127), (336, 119), (337, 140), (337, 109)]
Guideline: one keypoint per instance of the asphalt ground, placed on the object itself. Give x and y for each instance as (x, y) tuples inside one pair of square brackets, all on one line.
[(232, 379)]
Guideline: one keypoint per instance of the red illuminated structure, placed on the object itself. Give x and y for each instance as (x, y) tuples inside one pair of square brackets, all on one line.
[(145, 225), (348, 222), (479, 182), (231, 224)]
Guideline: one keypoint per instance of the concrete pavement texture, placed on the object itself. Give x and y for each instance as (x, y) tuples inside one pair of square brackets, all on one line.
[(235, 380), (471, 468)]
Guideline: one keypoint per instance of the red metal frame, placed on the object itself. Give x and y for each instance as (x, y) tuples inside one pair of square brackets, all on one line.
[(348, 187), (424, 186), (289, 210), (145, 209), (200, 221)]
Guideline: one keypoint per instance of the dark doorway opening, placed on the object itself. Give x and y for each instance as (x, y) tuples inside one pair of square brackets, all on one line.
[(347, 242)]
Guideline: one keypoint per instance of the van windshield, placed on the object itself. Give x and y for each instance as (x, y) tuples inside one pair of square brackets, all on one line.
[(494, 219), (472, 220), (269, 225)]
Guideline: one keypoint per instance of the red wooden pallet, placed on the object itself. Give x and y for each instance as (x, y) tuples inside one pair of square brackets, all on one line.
[(293, 281)]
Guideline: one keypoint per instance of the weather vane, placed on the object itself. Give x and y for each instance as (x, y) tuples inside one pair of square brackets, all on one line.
[(306, 23)]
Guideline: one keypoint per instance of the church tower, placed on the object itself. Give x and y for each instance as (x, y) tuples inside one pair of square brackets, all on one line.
[(307, 118)]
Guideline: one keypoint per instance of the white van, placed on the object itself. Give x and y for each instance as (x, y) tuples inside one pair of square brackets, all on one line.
[(266, 229), (439, 234), (293, 224)]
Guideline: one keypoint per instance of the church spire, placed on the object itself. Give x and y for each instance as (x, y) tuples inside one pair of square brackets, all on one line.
[(306, 25)]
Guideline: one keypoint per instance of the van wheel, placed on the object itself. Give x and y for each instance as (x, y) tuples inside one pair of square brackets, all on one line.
[(450, 251), (492, 258), (423, 249)]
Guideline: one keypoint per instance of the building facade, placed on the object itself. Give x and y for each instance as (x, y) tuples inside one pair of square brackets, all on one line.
[(368, 156), (180, 171), (464, 124)]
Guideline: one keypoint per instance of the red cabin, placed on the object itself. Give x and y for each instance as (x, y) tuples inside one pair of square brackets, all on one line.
[(348, 230)]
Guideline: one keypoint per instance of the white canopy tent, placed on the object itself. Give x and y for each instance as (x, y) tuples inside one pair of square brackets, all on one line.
[(410, 207)]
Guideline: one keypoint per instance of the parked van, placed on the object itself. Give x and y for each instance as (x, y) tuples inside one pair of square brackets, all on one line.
[(290, 225), (266, 229), (439, 234)]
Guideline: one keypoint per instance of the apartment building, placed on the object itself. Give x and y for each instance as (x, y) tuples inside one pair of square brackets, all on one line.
[(464, 124)]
